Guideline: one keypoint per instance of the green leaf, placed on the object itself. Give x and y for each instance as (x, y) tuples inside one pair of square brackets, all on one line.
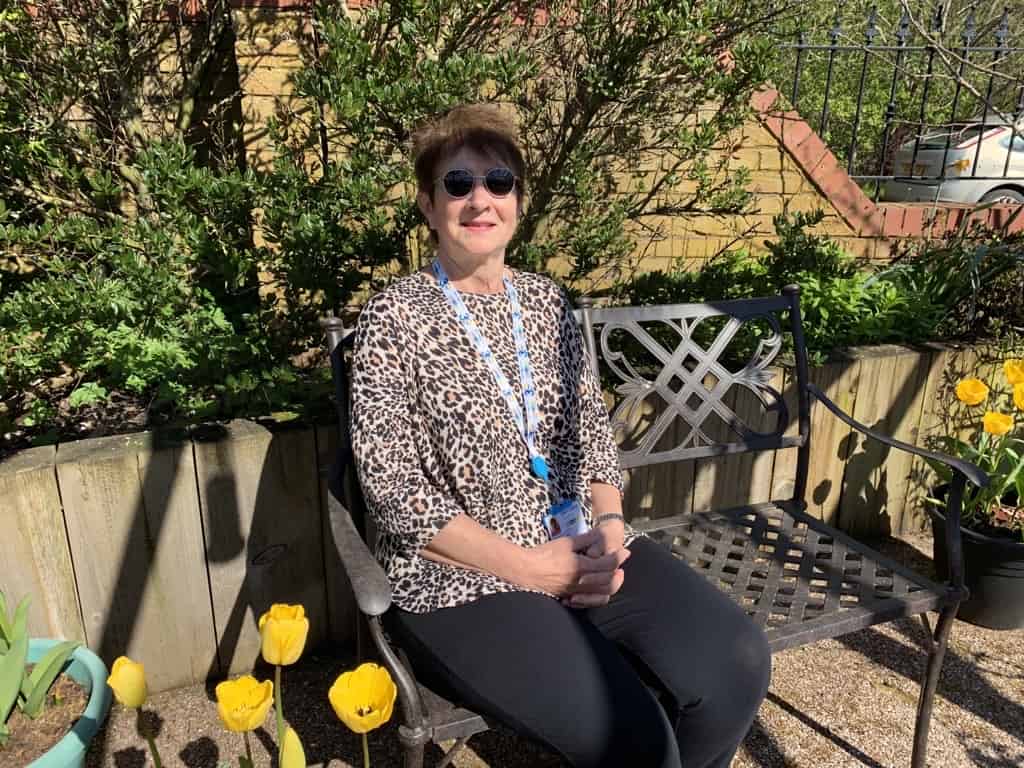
[(5, 627), (87, 394), (12, 665), (940, 469), (20, 626), (34, 687)]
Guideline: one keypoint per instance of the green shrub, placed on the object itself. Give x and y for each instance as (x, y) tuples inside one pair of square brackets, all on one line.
[(926, 295), (132, 292)]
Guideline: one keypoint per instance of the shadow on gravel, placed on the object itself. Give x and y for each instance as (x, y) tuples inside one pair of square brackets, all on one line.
[(960, 681), (861, 757), (762, 748)]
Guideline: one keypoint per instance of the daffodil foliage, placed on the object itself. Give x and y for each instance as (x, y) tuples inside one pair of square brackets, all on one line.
[(994, 418)]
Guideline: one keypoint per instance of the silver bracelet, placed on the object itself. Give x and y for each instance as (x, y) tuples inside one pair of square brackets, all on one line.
[(609, 516)]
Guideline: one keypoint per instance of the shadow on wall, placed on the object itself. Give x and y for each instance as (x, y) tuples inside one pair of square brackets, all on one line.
[(260, 496), (855, 483), (224, 524)]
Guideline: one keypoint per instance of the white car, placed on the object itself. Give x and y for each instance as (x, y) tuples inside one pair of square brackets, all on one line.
[(993, 173)]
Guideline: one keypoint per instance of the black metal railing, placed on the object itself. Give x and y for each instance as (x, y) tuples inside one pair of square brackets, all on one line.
[(905, 100)]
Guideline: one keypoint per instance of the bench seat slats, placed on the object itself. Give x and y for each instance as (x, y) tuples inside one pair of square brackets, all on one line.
[(797, 577)]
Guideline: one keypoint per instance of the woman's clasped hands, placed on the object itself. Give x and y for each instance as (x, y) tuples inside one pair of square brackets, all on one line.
[(584, 570)]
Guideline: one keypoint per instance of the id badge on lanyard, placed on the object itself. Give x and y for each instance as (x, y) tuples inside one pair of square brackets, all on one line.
[(566, 517)]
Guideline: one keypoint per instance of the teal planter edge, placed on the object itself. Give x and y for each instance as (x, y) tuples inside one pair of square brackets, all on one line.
[(89, 671)]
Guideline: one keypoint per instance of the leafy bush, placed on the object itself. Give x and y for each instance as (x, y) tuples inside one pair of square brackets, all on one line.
[(132, 288), (132, 291), (612, 108), (970, 284), (926, 294)]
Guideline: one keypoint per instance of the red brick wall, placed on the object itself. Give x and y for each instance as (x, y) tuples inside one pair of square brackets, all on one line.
[(866, 218)]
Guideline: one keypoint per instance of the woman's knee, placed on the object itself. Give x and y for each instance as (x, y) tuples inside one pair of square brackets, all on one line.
[(639, 734), (753, 658), (733, 680)]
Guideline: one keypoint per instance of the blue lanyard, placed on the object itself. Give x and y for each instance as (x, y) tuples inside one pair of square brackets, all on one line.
[(528, 426)]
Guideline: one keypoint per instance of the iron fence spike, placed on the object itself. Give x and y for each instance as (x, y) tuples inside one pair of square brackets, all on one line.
[(904, 28), (1003, 31), (970, 29), (872, 29)]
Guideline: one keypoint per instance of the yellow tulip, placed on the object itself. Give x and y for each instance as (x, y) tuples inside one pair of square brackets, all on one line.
[(971, 391), (128, 682), (997, 423), (292, 753), (364, 698), (1018, 396), (243, 703), (283, 630), (1014, 370)]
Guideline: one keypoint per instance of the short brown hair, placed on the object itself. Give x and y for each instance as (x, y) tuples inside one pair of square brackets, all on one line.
[(484, 128)]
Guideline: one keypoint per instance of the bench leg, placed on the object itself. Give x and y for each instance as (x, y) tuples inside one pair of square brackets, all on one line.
[(412, 747), (936, 654)]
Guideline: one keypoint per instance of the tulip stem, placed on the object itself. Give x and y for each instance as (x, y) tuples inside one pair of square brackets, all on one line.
[(279, 708), (248, 749), (153, 750), (366, 752)]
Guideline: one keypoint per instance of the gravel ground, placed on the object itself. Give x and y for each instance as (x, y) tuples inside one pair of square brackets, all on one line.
[(845, 702)]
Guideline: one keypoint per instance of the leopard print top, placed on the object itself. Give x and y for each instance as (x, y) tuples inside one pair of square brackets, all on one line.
[(433, 438)]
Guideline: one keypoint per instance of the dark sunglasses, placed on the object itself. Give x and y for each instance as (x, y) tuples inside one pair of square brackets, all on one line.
[(459, 182)]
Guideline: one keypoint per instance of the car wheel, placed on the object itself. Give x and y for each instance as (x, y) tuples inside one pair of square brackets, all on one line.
[(1003, 196)]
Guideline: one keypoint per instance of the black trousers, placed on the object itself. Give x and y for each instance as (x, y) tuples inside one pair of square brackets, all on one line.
[(574, 679)]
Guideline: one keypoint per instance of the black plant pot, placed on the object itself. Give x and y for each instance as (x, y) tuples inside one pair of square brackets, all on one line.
[(993, 572)]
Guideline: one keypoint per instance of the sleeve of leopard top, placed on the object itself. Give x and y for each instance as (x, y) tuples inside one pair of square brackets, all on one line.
[(600, 453), (403, 500)]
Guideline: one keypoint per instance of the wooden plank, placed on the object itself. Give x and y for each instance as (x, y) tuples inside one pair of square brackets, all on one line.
[(341, 605), (830, 438), (260, 499), (705, 473), (34, 548), (660, 490), (784, 465), (749, 475), (710, 490), (720, 486), (889, 399), (136, 537), (862, 504), (903, 422), (935, 405)]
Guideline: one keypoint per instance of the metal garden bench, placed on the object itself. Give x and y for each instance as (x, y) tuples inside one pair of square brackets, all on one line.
[(799, 578)]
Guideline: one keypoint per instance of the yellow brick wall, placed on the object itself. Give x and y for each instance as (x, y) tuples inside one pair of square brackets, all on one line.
[(272, 44), (270, 48)]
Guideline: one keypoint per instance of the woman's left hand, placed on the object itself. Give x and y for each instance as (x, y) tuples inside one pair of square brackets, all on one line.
[(596, 589), (611, 535)]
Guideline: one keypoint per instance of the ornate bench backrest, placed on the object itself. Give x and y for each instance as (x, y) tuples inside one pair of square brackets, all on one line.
[(684, 378), (692, 381)]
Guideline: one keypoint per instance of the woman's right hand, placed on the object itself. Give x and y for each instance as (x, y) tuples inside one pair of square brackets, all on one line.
[(557, 567)]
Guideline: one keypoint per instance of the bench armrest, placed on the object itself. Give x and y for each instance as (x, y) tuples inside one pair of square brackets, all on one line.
[(971, 471), (962, 472), (369, 582)]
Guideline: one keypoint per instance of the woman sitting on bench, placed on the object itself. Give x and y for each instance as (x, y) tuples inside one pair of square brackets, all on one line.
[(488, 463)]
